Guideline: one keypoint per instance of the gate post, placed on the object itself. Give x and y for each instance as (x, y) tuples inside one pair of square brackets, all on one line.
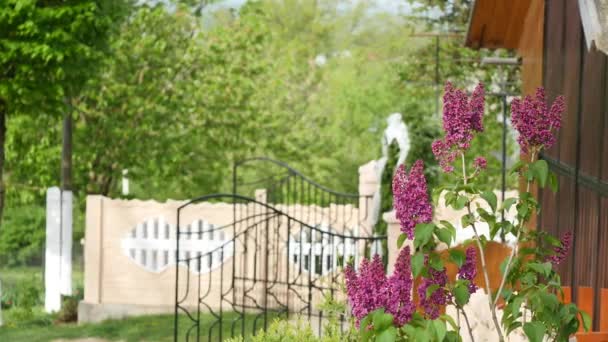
[(393, 230), (369, 196)]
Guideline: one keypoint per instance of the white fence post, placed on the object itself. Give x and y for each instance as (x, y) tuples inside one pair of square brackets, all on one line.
[(52, 295), (66, 242), (58, 254)]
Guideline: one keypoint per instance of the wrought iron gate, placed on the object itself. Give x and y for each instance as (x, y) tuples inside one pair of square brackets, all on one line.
[(279, 255)]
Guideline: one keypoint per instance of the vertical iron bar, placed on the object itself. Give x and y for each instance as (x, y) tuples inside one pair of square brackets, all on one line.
[(198, 299), (437, 75), (175, 319), (504, 159), (288, 263), (266, 255)]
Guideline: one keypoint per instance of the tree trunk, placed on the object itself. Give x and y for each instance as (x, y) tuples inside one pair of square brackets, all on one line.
[(66, 152), (3, 111)]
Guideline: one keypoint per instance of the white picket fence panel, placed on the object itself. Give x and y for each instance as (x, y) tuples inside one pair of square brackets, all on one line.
[(320, 253), (151, 245)]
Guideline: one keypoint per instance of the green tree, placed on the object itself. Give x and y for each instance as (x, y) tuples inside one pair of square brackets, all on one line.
[(48, 51)]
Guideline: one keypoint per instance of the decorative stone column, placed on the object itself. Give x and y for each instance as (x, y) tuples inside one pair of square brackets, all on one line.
[(393, 230), (369, 196)]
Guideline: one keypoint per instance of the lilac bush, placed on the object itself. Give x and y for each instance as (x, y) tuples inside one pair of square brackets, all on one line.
[(384, 307), (370, 289), (411, 199)]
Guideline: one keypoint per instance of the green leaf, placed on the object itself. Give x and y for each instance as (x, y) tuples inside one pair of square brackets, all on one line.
[(382, 320), (467, 220), (423, 234), (461, 294), (461, 202), (535, 331), (490, 197), (449, 320), (452, 336), (553, 240), (401, 240), (553, 182), (435, 262), (540, 169), (444, 235), (440, 329), (417, 264), (586, 320), (518, 165), (431, 289), (388, 335), (366, 333), (506, 205), (503, 265), (544, 268), (448, 225), (458, 257)]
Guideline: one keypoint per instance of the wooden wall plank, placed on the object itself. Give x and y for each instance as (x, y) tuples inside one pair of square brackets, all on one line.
[(585, 240)]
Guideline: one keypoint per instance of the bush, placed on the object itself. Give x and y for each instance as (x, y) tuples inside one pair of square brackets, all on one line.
[(22, 235), (69, 307), (284, 331)]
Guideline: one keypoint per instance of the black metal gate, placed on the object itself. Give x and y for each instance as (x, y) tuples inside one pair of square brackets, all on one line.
[(279, 256)]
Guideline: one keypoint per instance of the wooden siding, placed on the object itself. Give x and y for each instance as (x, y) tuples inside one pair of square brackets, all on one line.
[(497, 23), (530, 48), (580, 157)]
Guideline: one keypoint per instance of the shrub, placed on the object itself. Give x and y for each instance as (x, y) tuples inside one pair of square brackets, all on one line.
[(22, 235), (69, 307), (383, 305)]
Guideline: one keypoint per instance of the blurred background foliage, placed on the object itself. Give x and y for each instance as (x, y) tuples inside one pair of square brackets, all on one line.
[(188, 88)]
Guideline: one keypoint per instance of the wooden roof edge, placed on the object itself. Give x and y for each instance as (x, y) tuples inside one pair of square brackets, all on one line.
[(468, 41)]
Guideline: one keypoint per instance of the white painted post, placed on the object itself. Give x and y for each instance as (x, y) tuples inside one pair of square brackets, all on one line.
[(52, 272), (66, 243), (125, 182), (58, 254)]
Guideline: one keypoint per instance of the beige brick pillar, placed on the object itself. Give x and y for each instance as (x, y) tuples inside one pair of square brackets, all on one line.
[(93, 249), (393, 230), (369, 186)]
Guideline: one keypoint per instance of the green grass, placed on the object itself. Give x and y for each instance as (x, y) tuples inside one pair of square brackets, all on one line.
[(40, 326), (11, 277), (143, 328)]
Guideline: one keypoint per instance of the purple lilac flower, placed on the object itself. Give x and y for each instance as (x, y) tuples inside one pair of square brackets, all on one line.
[(439, 298), (461, 117), (400, 284), (562, 250), (410, 198), (368, 290), (468, 271), (480, 163), (534, 122)]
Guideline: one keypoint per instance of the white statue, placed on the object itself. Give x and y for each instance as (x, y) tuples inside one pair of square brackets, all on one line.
[(396, 130)]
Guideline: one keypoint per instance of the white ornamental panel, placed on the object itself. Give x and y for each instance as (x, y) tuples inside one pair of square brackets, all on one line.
[(151, 244)]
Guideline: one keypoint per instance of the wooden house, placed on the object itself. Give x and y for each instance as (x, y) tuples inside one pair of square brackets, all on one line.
[(560, 43)]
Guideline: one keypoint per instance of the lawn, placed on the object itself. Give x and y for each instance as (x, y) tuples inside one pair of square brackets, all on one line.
[(40, 326), (144, 328)]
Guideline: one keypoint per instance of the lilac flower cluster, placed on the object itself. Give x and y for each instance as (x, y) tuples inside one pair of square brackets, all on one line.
[(534, 122), (562, 250), (468, 271), (371, 289), (410, 198), (480, 163), (461, 117), (400, 289), (439, 298)]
